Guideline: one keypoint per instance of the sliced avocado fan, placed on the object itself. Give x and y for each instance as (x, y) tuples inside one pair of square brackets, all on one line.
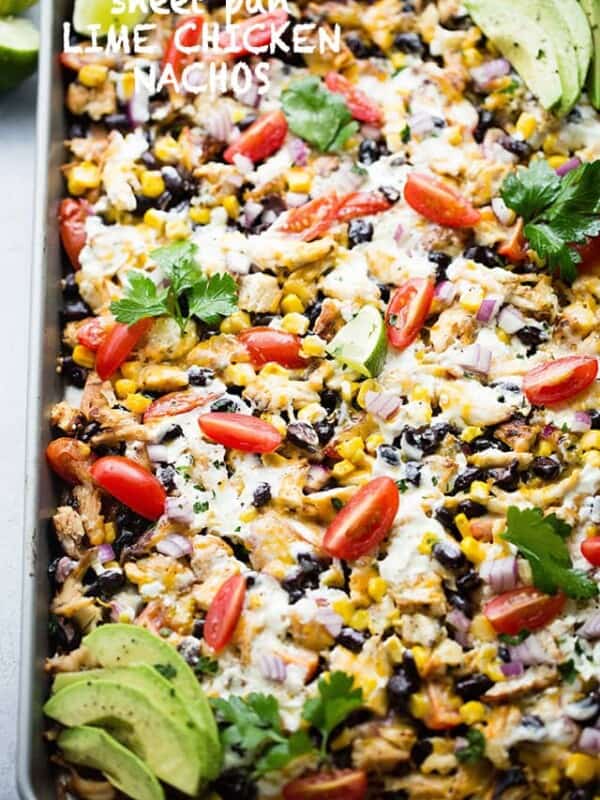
[(592, 11)]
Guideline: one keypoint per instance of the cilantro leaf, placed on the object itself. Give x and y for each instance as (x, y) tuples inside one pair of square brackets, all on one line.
[(506, 638), (141, 300), (173, 255), (336, 700), (568, 671), (213, 298), (542, 541), (206, 666), (548, 244), (530, 190), (279, 755), (317, 115), (474, 750)]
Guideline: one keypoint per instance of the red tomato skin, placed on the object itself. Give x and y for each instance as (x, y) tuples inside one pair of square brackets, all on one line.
[(524, 608), (258, 36), (174, 56), (91, 333), (439, 202), (557, 381), (359, 104), (515, 247), (261, 140), (72, 215), (590, 254), (118, 344), (69, 459), (267, 345), (590, 549), (131, 484), (344, 784), (410, 305), (170, 405), (224, 612), (361, 204), (314, 218), (364, 522), (240, 432)]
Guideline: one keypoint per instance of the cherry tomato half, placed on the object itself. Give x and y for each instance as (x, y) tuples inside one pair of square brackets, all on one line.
[(224, 612), (314, 218), (439, 202), (261, 140), (345, 784), (361, 204), (72, 215), (169, 405), (266, 345), (69, 459), (253, 34), (240, 432), (590, 254), (359, 104), (118, 344), (560, 380), (408, 310), (525, 608), (590, 549), (364, 521), (515, 247), (91, 333), (130, 483)]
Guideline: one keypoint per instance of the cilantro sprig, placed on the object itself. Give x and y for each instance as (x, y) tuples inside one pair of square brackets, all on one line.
[(559, 213), (541, 539), (317, 115), (188, 293), (336, 699), (474, 750)]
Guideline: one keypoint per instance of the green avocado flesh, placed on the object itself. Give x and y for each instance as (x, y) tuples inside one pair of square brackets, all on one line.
[(592, 10)]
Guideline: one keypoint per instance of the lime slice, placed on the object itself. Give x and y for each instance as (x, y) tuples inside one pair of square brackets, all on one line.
[(19, 44), (362, 343), (99, 12), (9, 7)]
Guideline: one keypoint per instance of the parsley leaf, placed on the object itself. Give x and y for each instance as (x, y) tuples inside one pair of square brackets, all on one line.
[(336, 700), (317, 115), (474, 750), (542, 541), (142, 300), (213, 298)]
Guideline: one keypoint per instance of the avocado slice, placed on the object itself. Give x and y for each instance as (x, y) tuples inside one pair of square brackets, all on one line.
[(169, 750), (573, 18), (592, 10), (524, 42), (121, 645), (93, 747)]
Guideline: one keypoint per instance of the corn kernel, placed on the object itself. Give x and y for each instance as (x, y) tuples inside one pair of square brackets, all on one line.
[(277, 422), (200, 215), (82, 177), (373, 442), (127, 87), (249, 515), (470, 432), (419, 705), (125, 387), (232, 206), (313, 347), (455, 136), (472, 712), (92, 75), (557, 161), (348, 389), (472, 57), (239, 374), (83, 357), (360, 619), (494, 672), (238, 321), (462, 523), (526, 125), (581, 768), (137, 403), (550, 144), (473, 549), (426, 544), (155, 219), (471, 298), (345, 608), (481, 628), (291, 303), (503, 336), (365, 387), (592, 458), (590, 440), (549, 778), (398, 60), (313, 412), (420, 393), (166, 149), (421, 656), (131, 370), (352, 449), (394, 649), (377, 588), (479, 491), (298, 180), (153, 184), (342, 468), (295, 323), (545, 448), (110, 532), (176, 229)]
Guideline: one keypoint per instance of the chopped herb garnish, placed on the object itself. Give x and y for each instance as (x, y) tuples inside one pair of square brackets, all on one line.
[(337, 503), (405, 134), (336, 700), (402, 485), (206, 666), (568, 671), (506, 638), (200, 507), (474, 750), (317, 115), (168, 671)]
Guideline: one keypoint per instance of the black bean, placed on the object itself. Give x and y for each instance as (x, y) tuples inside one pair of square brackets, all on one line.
[(473, 686), (90, 430), (409, 43), (313, 311), (532, 721), (324, 430), (517, 147), (70, 287), (73, 373), (172, 432), (371, 150), (199, 376), (305, 577), (507, 780), (303, 435), (481, 443), (459, 601), (262, 495), (575, 115), (226, 404), (64, 634), (107, 584), (124, 541), (412, 473), (483, 255), (458, 22), (468, 582), (351, 639), (595, 418), (359, 231), (329, 400), (484, 123), (384, 292), (448, 554), (442, 261), (357, 46), (173, 179), (471, 509), (189, 648), (506, 478), (504, 653), (390, 193), (404, 682), (128, 520), (166, 475), (117, 121), (426, 438), (262, 320), (248, 120), (532, 336), (421, 750), (236, 783), (77, 130), (446, 518), (198, 628), (546, 468), (391, 455), (465, 478), (75, 310)]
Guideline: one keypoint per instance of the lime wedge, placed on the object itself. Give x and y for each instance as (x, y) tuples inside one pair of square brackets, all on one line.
[(19, 44), (9, 7), (99, 12), (362, 343)]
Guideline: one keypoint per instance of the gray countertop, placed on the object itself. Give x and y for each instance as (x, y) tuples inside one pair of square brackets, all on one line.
[(17, 153)]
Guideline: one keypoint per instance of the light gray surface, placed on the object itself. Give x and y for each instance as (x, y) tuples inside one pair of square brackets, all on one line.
[(17, 149)]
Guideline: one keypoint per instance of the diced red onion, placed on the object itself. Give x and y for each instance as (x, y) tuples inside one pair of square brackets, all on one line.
[(502, 574), (489, 71), (64, 568), (398, 234), (249, 96), (105, 553), (382, 404), (504, 214), (252, 212), (488, 309), (179, 509), (511, 320), (421, 122), (512, 669), (530, 652), (158, 453), (218, 124), (445, 291), (273, 668), (243, 163), (591, 629), (175, 546), (295, 199), (458, 620), (299, 152), (581, 423), (477, 359), (548, 431), (330, 620), (568, 166), (589, 741)]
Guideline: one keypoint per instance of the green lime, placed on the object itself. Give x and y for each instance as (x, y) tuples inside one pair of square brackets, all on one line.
[(19, 44), (99, 12), (362, 343), (9, 7)]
